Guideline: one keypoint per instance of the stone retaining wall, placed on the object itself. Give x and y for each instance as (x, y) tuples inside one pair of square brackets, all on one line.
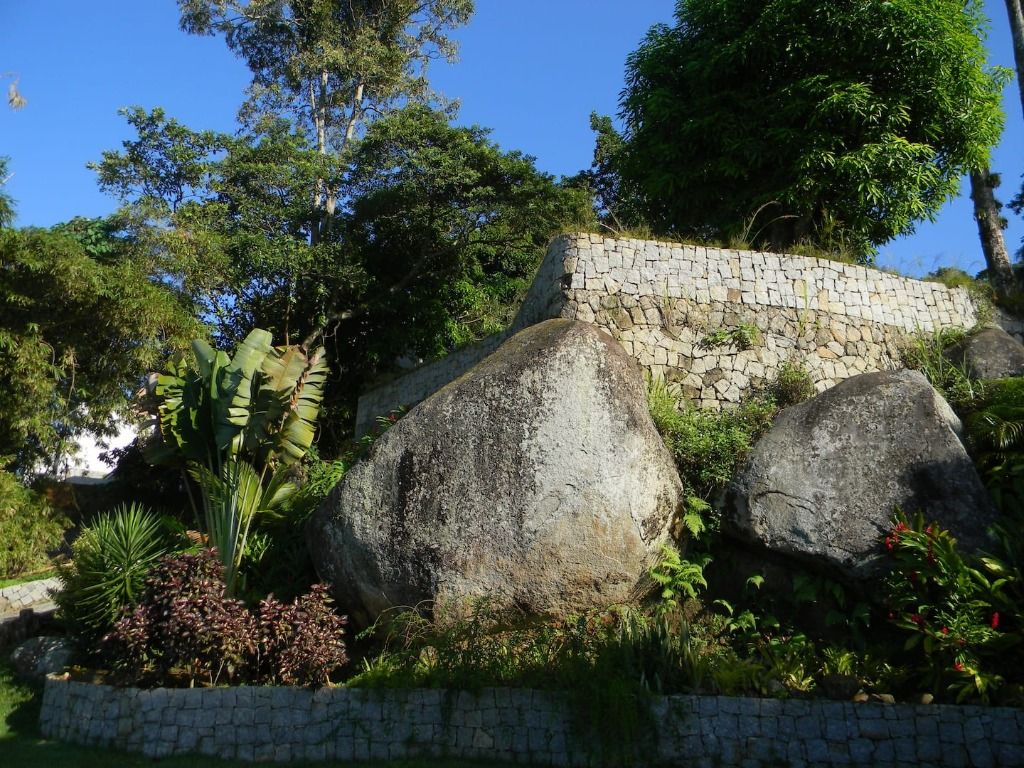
[(16, 598), (663, 301), (279, 724)]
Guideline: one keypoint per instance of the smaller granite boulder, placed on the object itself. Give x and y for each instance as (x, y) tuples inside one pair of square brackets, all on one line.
[(38, 657), (822, 485), (991, 353)]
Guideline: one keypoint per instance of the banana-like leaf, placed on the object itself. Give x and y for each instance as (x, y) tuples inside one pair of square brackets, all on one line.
[(180, 414), (205, 356), (235, 391), (282, 370), (299, 425)]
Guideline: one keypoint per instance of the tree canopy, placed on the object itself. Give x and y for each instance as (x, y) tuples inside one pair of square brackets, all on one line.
[(840, 122), (431, 247), (330, 67), (82, 319)]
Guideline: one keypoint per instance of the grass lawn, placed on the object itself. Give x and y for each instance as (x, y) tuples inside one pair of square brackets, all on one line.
[(21, 746)]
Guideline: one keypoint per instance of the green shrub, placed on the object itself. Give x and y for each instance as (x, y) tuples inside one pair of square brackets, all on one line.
[(996, 436), (708, 446), (792, 384), (927, 354), (29, 528), (109, 564), (743, 336)]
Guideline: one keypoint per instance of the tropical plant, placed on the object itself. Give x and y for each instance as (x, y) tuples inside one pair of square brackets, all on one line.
[(238, 424), (996, 435), (110, 561), (949, 605)]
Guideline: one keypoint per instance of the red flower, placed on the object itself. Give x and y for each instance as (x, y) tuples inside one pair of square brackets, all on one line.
[(890, 542), (995, 620), (958, 666), (944, 630), (918, 619)]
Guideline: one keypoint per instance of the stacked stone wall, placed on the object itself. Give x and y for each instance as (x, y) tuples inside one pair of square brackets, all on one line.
[(665, 301), (515, 725)]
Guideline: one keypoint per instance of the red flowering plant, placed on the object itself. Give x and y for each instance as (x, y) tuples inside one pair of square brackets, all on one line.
[(949, 605)]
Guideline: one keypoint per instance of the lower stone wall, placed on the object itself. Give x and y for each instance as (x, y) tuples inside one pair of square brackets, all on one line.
[(281, 724), (20, 596)]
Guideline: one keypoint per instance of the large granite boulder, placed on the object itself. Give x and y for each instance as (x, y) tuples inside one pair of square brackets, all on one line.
[(991, 353), (537, 479), (822, 485)]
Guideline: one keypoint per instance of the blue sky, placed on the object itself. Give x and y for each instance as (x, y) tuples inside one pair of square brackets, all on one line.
[(531, 70)]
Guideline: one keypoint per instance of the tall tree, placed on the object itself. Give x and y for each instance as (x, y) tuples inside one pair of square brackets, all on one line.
[(834, 121), (330, 65), (432, 246)]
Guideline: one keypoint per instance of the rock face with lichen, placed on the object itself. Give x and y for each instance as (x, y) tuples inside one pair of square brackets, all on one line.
[(537, 480), (822, 485)]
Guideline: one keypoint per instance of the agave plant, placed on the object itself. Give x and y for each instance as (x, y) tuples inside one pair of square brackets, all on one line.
[(236, 424), (108, 568)]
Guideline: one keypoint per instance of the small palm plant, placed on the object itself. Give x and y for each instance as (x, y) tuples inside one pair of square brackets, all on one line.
[(236, 424)]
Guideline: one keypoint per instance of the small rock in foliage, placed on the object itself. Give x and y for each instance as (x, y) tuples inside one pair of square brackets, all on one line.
[(38, 657), (989, 354)]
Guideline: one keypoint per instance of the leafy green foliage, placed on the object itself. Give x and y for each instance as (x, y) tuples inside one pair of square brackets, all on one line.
[(792, 384), (677, 578), (6, 203), (708, 446), (431, 246), (838, 122), (996, 436), (927, 353), (957, 612), (110, 561), (29, 528), (743, 336), (83, 315)]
